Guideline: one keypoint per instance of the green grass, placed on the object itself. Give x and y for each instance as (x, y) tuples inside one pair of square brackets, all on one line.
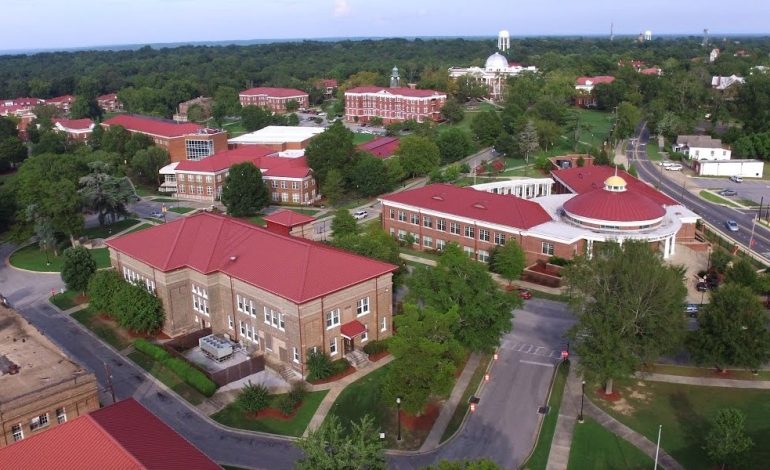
[(462, 406), (359, 138), (546, 295), (748, 202), (522, 170), (90, 319), (153, 219), (420, 254), (165, 200), (685, 411), (109, 230), (595, 448), (256, 220), (539, 457), (304, 211), (65, 301), (234, 128), (181, 210), (711, 197), (170, 379), (32, 258), (689, 371), (652, 151), (140, 227), (234, 416)]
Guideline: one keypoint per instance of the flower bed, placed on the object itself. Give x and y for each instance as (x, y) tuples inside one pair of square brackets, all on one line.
[(335, 377), (423, 422), (378, 356)]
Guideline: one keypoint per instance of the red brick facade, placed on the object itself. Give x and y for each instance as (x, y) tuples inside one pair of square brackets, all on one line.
[(274, 99), (393, 104)]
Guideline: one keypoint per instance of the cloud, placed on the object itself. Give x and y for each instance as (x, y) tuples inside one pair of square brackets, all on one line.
[(341, 8)]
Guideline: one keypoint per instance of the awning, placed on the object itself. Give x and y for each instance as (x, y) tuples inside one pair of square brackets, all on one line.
[(352, 329), (168, 169)]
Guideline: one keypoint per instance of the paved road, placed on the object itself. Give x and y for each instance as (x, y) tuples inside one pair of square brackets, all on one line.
[(502, 428), (712, 213)]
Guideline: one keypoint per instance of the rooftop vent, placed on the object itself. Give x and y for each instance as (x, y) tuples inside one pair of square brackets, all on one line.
[(479, 205), (233, 258), (437, 197)]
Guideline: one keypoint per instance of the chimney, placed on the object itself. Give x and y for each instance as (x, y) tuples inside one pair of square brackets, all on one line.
[(413, 86)]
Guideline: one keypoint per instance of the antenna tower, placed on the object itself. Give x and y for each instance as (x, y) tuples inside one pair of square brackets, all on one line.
[(705, 37)]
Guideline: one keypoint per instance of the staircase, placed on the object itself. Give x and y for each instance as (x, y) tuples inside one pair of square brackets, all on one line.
[(288, 374), (357, 358)]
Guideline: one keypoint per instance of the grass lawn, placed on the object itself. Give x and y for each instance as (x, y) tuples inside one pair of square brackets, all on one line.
[(684, 412), (360, 138), (140, 227), (302, 210), (689, 371), (145, 191), (108, 230), (652, 151), (234, 416), (748, 202), (67, 300), (234, 128), (32, 258), (153, 219), (715, 198), (181, 210), (420, 254), (170, 379), (103, 329), (523, 170), (539, 457), (595, 448), (462, 406), (256, 220), (165, 199)]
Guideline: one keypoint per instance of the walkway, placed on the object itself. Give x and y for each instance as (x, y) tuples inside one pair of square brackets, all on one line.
[(706, 381), (558, 457)]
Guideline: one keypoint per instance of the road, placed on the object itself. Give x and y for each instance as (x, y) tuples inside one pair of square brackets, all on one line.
[(502, 428), (715, 214)]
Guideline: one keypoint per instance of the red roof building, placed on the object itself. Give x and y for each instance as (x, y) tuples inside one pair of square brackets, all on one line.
[(585, 89), (328, 85), (274, 99), (277, 295), (381, 147), (585, 179), (62, 103), (78, 130), (109, 103), (394, 104), (123, 436), (288, 222), (18, 106)]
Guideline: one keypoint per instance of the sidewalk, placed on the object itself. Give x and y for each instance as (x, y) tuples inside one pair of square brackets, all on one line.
[(706, 381), (558, 457)]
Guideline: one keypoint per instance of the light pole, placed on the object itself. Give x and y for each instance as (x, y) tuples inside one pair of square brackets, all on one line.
[(164, 209), (657, 448), (398, 417), (582, 398)]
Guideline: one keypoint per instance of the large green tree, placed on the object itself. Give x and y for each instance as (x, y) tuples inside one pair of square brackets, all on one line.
[(629, 308), (344, 223), (105, 194), (628, 117), (486, 127), (452, 111), (369, 176), (727, 441), (333, 187), (146, 163), (485, 310), (508, 260), (101, 290), (77, 268), (454, 144), (754, 102), (419, 155), (244, 192), (254, 118), (332, 447), (333, 149), (137, 309)]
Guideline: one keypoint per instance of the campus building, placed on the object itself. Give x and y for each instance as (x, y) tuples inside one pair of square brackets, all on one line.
[(290, 139), (495, 73), (584, 86), (395, 104), (701, 147), (62, 103), (183, 141), (276, 295), (76, 130), (109, 103), (274, 99), (40, 387)]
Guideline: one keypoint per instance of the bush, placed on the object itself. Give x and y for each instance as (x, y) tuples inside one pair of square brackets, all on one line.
[(137, 309), (78, 268), (191, 375), (339, 366), (102, 289), (298, 391), (319, 365), (154, 351), (558, 261), (376, 347), (253, 398), (285, 404)]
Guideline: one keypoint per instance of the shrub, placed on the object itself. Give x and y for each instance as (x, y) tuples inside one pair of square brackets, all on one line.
[(137, 309), (253, 398), (285, 404), (298, 391), (376, 347), (558, 261), (154, 351), (339, 366), (191, 375), (319, 365), (78, 268), (102, 289)]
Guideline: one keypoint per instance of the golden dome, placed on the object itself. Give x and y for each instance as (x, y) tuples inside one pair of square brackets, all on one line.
[(615, 183)]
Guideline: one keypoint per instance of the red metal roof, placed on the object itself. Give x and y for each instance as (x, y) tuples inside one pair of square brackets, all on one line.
[(121, 436), (288, 218), (75, 124), (274, 92), (61, 99), (585, 179), (397, 91), (595, 80), (650, 71), (296, 269), (154, 126), (224, 160), (625, 206), (107, 97), (382, 147), (328, 82), (506, 210), (352, 329)]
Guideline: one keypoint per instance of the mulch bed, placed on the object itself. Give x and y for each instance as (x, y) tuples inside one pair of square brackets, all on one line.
[(612, 397), (334, 377), (424, 422), (131, 335), (378, 356), (274, 413), (539, 268), (80, 299)]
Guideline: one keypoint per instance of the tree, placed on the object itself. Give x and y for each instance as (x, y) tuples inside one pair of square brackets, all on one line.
[(148, 162), (727, 442), (292, 106), (629, 308), (720, 259), (137, 309), (86, 107), (197, 113), (508, 261), (105, 194), (732, 330), (333, 149), (753, 102), (743, 273), (452, 111), (254, 118), (485, 310), (528, 140), (244, 192), (426, 356), (628, 117), (480, 464), (369, 176), (330, 447), (333, 186), (373, 243), (486, 127), (12, 152), (78, 267), (419, 155), (454, 144), (115, 139), (101, 291), (292, 119), (343, 223), (50, 142)]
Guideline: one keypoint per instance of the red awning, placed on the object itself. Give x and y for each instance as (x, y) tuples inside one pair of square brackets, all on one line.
[(352, 329)]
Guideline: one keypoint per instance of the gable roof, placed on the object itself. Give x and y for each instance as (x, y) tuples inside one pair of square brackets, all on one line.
[(382, 147), (585, 179), (74, 124), (293, 268), (274, 92), (397, 91), (107, 97), (588, 81), (288, 218), (153, 126), (506, 210), (61, 99), (121, 436), (224, 160), (701, 141)]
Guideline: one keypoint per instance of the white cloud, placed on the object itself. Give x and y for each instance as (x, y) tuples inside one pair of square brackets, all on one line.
[(341, 8)]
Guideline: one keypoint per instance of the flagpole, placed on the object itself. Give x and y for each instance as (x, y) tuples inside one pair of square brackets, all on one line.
[(657, 448)]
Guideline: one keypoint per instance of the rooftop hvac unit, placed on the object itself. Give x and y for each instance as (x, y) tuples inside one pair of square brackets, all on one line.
[(216, 348)]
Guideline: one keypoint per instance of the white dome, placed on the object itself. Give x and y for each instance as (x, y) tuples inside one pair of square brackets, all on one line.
[(504, 34), (496, 61)]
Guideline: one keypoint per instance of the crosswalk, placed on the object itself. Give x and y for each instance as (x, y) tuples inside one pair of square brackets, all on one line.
[(531, 349)]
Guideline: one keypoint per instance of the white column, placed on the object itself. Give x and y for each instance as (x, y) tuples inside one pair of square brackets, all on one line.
[(590, 249), (666, 248), (673, 244)]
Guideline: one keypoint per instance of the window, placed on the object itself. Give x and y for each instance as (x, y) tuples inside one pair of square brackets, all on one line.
[(483, 256), (365, 336), (469, 231), (441, 225), (469, 251), (274, 183), (333, 346), (415, 219), (384, 324), (484, 234), (38, 422), (362, 306), (547, 249), (499, 238), (402, 216), (249, 332), (440, 244), (427, 242), (181, 177), (198, 149), (209, 179), (454, 228), (392, 214), (181, 189), (209, 191), (199, 189), (219, 177), (242, 328), (200, 299), (332, 318), (427, 222), (240, 303), (283, 184), (401, 235), (295, 355), (17, 432), (276, 196), (61, 415), (230, 323), (295, 185)]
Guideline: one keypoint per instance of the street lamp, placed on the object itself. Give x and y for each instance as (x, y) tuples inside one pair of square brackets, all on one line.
[(398, 416), (582, 397), (164, 209)]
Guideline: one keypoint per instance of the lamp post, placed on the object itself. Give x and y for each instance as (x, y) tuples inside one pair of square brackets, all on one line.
[(582, 398), (164, 209), (398, 417)]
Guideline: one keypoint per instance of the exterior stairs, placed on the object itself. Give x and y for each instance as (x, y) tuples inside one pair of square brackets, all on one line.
[(358, 359), (288, 374)]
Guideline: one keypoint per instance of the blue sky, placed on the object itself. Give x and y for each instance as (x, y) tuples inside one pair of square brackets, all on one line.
[(76, 23)]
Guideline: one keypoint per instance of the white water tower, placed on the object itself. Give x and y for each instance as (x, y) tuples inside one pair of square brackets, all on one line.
[(648, 35), (504, 40)]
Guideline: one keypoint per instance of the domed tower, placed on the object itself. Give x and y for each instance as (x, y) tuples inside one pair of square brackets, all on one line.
[(504, 40), (496, 63), (395, 80)]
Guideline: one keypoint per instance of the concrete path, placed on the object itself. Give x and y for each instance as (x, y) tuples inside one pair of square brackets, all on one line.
[(449, 406), (558, 457), (706, 381), (335, 388)]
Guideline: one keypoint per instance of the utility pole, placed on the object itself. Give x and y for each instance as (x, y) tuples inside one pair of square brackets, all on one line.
[(657, 448), (109, 381)]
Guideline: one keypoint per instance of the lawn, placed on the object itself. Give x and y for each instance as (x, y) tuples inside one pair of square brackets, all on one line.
[(103, 329), (165, 200), (595, 448), (67, 300), (539, 457), (140, 227), (32, 258), (748, 202), (256, 220), (420, 254), (652, 151), (359, 138), (108, 230), (181, 210), (234, 416), (462, 406), (234, 128), (170, 379), (684, 412), (689, 371), (546, 295), (711, 197)]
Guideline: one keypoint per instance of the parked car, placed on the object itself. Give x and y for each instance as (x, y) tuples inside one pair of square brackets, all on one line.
[(702, 286), (736, 179), (358, 215), (158, 214), (691, 310), (524, 293), (666, 164), (674, 167), (731, 225), (728, 192)]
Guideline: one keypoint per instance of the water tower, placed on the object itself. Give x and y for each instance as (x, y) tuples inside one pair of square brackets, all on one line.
[(648, 35), (504, 40)]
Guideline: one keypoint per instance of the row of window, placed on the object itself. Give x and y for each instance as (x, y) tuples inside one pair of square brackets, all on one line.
[(200, 299), (38, 422), (546, 248), (182, 189), (199, 178), (333, 316), (455, 228), (284, 197), (135, 278), (285, 184)]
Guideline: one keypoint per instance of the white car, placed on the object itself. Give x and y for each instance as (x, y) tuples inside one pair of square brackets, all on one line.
[(667, 164), (674, 167), (358, 215), (736, 179)]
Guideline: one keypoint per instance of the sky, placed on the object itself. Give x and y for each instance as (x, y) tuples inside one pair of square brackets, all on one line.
[(53, 24)]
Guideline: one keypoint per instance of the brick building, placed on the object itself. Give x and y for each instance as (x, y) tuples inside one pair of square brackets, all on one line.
[(277, 295), (204, 102), (279, 138), (584, 87), (381, 147), (328, 86), (40, 387), (109, 103), (76, 130), (62, 103), (183, 141), (274, 99), (394, 104)]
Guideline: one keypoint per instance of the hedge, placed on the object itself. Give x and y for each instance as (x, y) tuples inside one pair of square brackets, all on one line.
[(376, 347), (181, 368), (152, 350)]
